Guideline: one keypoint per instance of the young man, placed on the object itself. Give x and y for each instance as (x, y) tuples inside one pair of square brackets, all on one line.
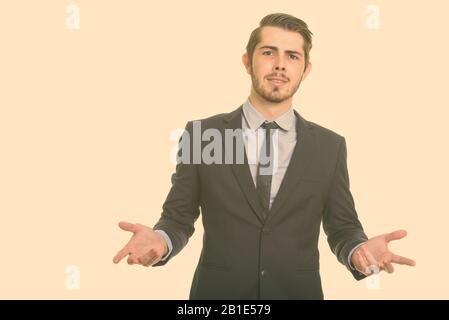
[(261, 230)]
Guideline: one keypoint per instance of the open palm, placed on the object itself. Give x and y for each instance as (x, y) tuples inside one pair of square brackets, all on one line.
[(375, 254)]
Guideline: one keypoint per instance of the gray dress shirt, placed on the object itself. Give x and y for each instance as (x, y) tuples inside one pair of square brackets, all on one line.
[(284, 143)]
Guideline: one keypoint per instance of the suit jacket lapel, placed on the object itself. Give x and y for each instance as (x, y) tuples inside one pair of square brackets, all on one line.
[(299, 162), (301, 158), (241, 171)]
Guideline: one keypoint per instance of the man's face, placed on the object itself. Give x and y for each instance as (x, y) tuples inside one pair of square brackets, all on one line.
[(278, 64)]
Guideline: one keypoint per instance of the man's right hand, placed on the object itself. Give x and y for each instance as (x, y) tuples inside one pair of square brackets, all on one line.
[(146, 246)]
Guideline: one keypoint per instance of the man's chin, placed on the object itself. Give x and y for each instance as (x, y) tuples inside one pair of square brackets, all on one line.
[(275, 98)]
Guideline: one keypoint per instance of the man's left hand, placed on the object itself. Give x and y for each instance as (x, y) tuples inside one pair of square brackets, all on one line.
[(374, 255)]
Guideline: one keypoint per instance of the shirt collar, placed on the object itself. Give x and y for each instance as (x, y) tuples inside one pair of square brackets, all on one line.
[(255, 119)]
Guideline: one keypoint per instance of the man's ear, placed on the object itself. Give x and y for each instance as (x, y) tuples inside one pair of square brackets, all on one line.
[(245, 61), (307, 70)]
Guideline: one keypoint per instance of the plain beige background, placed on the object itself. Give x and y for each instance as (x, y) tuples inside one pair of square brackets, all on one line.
[(82, 110)]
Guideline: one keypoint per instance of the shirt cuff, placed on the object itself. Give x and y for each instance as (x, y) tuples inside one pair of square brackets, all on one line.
[(168, 241)]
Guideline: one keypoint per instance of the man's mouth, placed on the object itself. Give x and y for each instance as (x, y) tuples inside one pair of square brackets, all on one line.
[(277, 81)]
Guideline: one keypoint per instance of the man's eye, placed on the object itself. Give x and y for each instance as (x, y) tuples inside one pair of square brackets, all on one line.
[(293, 57), (264, 53)]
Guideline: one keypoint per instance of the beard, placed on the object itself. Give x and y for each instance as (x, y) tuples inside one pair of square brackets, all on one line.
[(273, 94)]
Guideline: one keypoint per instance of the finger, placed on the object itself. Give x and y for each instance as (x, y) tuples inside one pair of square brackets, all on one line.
[(121, 254), (395, 235), (144, 260), (127, 226), (147, 258), (372, 262), (389, 268), (132, 259), (363, 264), (155, 261), (403, 260), (151, 261), (364, 259)]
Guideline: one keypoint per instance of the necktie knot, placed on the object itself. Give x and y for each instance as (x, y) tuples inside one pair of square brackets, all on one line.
[(270, 125), (267, 145)]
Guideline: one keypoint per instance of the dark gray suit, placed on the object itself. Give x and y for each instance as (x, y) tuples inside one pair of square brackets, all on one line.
[(245, 256)]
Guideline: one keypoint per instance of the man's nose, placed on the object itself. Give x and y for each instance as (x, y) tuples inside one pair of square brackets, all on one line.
[(279, 66)]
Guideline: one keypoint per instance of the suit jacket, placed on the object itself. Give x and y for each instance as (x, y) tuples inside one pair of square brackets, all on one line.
[(245, 256)]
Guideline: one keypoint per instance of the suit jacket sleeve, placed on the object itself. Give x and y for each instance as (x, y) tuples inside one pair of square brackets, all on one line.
[(340, 221), (181, 207)]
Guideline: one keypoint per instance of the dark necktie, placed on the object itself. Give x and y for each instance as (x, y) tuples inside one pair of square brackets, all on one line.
[(265, 167)]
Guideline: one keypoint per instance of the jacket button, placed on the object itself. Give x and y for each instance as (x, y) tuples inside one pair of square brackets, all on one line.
[(266, 231), (262, 273)]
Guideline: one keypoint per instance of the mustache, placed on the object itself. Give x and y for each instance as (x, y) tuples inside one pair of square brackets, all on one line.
[(277, 75)]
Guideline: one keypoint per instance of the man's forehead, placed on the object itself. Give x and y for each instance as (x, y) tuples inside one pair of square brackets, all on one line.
[(280, 38)]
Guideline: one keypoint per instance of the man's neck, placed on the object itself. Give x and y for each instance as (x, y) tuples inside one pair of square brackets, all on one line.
[(270, 110)]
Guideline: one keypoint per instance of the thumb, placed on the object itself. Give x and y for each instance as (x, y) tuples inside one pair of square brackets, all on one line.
[(127, 226), (395, 235)]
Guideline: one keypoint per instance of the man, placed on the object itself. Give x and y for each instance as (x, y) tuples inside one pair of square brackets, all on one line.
[(261, 229)]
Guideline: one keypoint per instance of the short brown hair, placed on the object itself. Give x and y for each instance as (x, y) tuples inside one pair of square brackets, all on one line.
[(287, 22)]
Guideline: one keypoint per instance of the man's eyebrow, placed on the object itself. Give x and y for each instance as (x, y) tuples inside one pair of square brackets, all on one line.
[(276, 49)]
